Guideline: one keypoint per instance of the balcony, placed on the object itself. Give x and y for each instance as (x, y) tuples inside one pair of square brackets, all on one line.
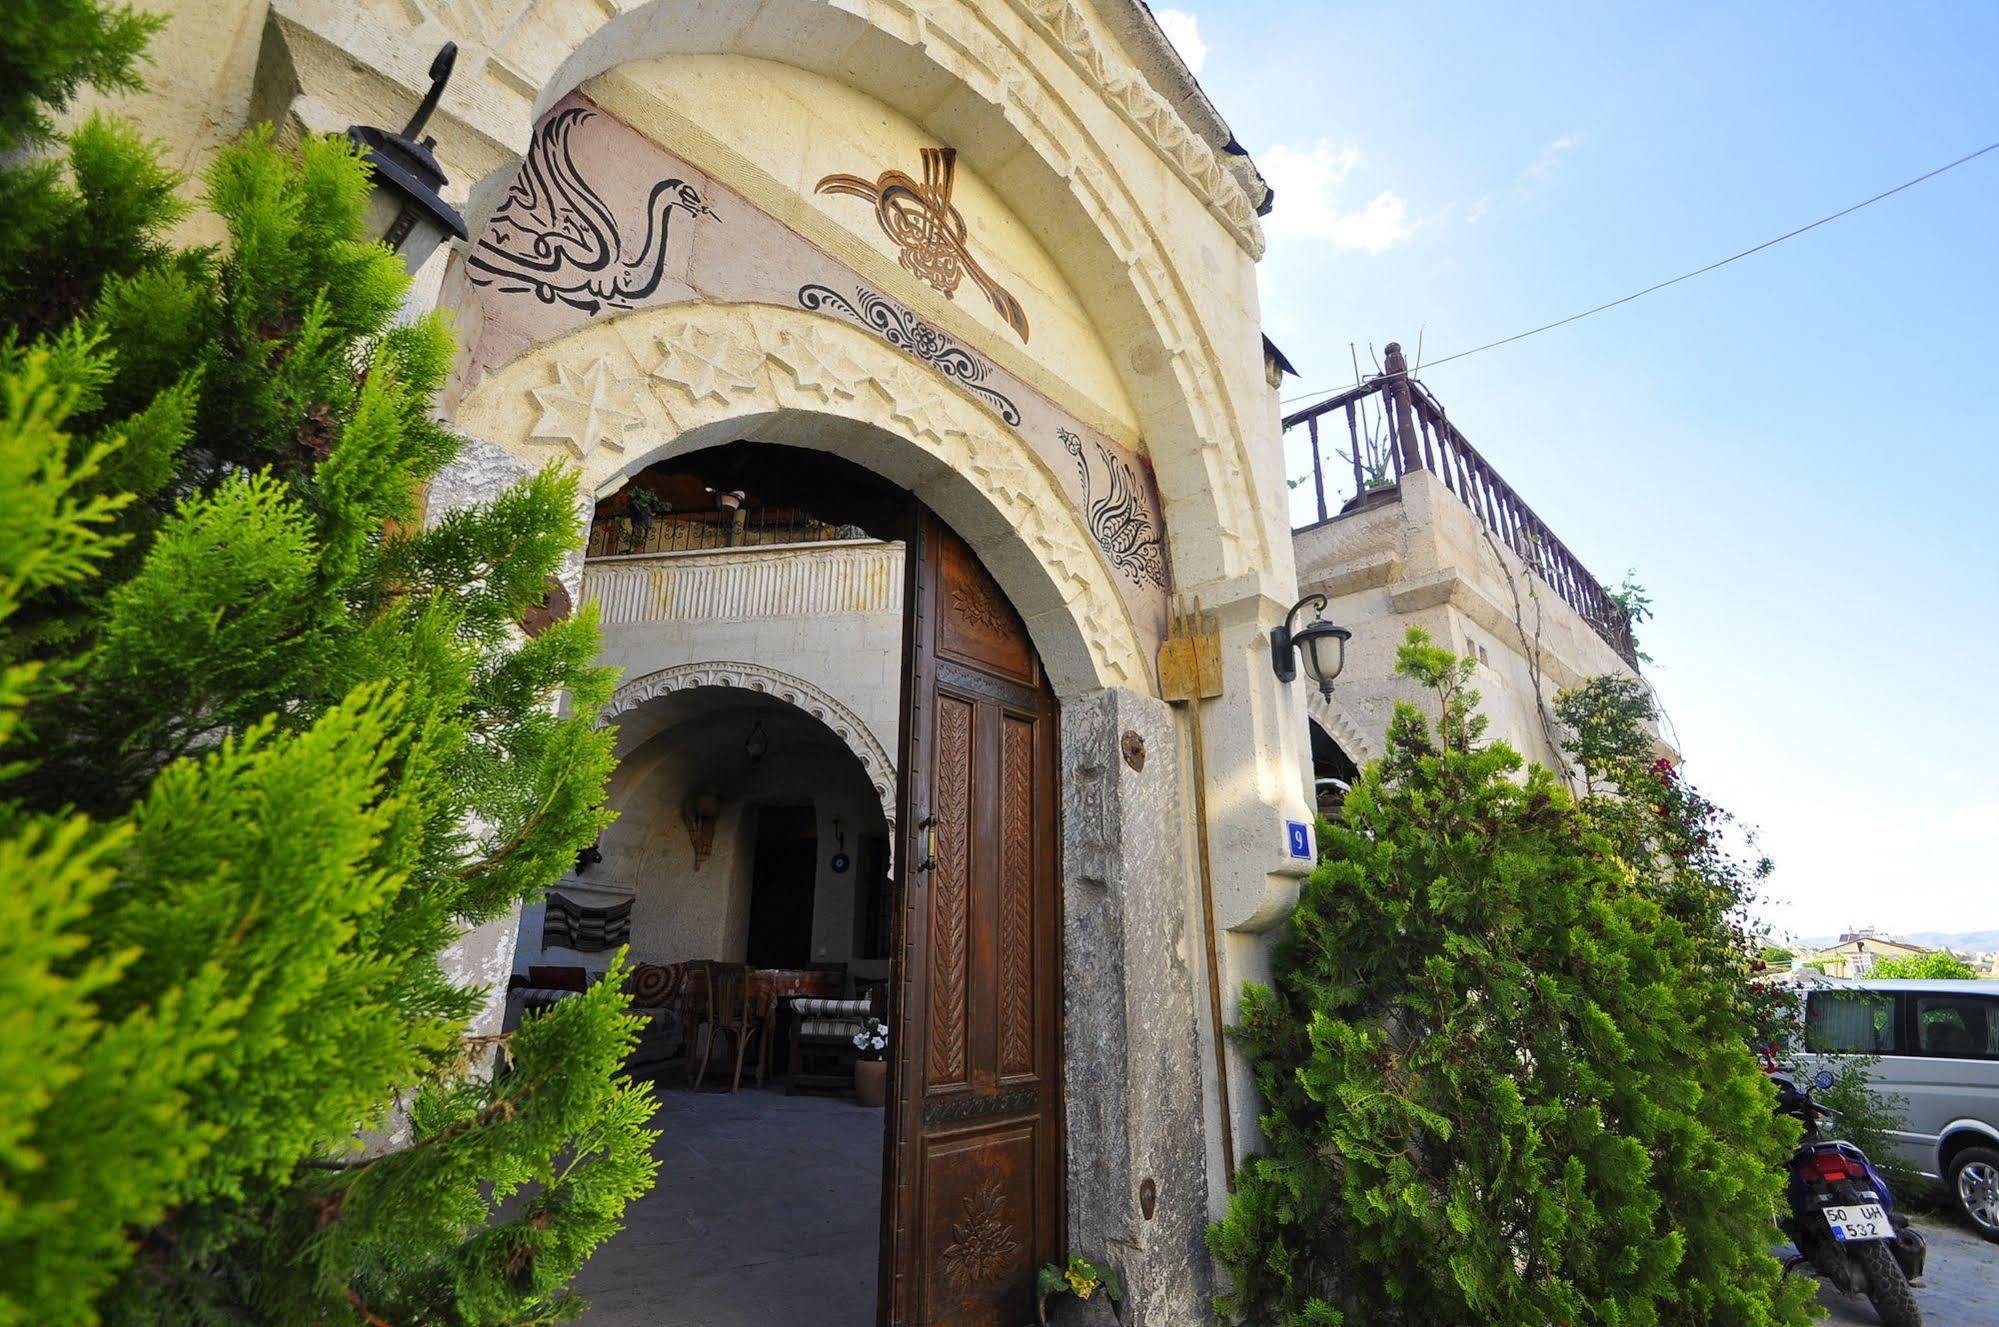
[(1389, 426)]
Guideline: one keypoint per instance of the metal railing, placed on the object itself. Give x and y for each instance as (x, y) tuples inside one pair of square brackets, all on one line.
[(1391, 425), (698, 532)]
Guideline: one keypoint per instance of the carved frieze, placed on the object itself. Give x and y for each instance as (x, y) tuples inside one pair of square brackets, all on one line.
[(604, 220)]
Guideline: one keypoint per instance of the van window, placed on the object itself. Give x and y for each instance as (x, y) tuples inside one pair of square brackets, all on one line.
[(1860, 1021), (1962, 1027)]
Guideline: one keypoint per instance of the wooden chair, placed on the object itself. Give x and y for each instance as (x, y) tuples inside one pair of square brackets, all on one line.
[(736, 1010)]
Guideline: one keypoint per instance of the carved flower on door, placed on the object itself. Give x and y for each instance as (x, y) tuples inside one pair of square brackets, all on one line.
[(983, 1248)]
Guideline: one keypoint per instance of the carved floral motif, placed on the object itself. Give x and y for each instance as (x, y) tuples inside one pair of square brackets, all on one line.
[(983, 1248), (909, 333)]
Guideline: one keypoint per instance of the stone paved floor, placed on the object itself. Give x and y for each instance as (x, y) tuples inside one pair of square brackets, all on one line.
[(1960, 1285), (766, 1212)]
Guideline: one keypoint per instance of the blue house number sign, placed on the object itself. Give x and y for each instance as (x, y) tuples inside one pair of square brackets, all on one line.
[(1300, 836)]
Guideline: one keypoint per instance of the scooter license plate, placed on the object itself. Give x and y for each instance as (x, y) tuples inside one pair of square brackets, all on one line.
[(1864, 1222)]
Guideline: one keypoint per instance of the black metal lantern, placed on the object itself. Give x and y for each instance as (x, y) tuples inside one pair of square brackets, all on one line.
[(1319, 645), (408, 211), (757, 745)]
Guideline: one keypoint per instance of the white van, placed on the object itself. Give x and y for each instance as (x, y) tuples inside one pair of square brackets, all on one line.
[(1938, 1043)]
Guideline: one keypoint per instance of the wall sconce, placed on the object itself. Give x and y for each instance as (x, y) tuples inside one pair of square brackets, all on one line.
[(757, 745), (1321, 645), (407, 211), (699, 813)]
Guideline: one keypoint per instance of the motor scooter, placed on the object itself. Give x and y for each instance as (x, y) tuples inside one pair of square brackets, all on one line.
[(1842, 1215)]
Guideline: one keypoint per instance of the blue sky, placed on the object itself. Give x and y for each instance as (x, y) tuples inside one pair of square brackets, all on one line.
[(1795, 453)]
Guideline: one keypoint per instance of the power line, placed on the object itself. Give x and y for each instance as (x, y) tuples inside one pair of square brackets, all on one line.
[(1684, 276)]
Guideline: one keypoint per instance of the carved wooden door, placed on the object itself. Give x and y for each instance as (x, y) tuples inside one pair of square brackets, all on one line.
[(973, 1186)]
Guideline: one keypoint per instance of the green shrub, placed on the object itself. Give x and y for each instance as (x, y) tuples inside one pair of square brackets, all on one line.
[(266, 749), (1504, 1079)]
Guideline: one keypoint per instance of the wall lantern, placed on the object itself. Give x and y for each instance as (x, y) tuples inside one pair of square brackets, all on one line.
[(1321, 645), (757, 745), (699, 813), (407, 211)]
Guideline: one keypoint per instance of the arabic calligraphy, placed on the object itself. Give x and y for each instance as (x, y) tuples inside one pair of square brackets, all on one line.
[(928, 231), (556, 238), (1118, 518)]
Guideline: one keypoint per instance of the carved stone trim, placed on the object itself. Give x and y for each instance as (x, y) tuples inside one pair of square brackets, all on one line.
[(1343, 729), (793, 691), (1149, 114)]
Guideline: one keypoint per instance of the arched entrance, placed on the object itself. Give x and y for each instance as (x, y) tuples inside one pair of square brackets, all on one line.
[(973, 1171)]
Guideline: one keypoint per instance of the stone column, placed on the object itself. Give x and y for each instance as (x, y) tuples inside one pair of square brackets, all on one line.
[(1137, 1151), (483, 955)]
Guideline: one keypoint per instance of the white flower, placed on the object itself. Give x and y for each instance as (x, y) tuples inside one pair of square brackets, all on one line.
[(860, 1041)]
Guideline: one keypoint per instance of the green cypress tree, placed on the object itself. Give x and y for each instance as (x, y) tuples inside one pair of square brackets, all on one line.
[(266, 748), (1504, 1080)]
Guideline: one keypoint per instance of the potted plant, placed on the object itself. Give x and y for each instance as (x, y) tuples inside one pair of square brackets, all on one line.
[(641, 505), (1094, 1292), (871, 1069)]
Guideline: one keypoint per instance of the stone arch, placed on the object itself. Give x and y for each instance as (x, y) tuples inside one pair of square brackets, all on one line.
[(612, 398), (1335, 720), (793, 691), (993, 79)]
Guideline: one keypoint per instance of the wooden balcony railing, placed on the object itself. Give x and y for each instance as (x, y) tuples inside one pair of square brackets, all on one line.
[(1390, 425)]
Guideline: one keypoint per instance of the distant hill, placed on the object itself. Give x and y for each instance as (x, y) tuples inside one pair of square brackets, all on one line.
[(1964, 942)]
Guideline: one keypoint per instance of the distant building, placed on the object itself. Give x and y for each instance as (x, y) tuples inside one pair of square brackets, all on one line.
[(1856, 953)]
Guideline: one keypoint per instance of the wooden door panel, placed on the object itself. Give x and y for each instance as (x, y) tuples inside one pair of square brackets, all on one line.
[(1016, 968), (978, 1209), (950, 883), (975, 623), (974, 1180)]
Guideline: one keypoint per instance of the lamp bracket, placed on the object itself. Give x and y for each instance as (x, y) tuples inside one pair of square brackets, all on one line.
[(1282, 661)]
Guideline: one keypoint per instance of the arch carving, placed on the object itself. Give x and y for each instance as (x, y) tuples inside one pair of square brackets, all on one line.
[(521, 56), (624, 392), (793, 691), (1344, 730)]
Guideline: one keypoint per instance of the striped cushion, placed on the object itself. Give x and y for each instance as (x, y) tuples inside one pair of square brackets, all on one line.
[(806, 1006), (829, 1027)]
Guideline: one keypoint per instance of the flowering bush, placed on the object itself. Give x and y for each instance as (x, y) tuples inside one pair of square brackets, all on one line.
[(1081, 1278), (872, 1040)]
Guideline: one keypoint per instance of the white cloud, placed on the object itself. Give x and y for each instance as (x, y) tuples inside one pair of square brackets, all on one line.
[(1184, 31), (1309, 199), (1544, 165), (1534, 173)]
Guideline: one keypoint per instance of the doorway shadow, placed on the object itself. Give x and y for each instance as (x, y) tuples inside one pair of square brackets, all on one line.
[(767, 1210)]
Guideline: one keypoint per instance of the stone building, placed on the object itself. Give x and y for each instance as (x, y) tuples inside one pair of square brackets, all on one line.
[(909, 354)]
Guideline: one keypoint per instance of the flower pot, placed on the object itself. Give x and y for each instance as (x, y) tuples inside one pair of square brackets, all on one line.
[(1068, 1311), (871, 1082)]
